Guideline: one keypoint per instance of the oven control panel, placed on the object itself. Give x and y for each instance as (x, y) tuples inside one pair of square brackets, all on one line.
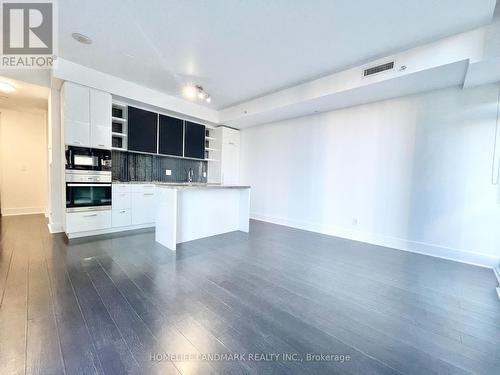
[(88, 176)]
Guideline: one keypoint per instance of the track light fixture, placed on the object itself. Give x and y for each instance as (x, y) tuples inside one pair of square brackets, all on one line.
[(191, 92)]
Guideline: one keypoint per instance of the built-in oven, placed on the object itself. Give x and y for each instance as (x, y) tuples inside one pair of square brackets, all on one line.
[(87, 159), (88, 191)]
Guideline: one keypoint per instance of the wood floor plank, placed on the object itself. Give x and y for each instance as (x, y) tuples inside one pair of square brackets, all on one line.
[(13, 317), (214, 309), (276, 307), (43, 347), (361, 358), (371, 286), (80, 356), (483, 362), (374, 296), (167, 335), (182, 318), (5, 262), (114, 355), (364, 323), (135, 333)]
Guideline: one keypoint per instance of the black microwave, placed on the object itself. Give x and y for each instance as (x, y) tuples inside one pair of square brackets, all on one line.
[(90, 159)]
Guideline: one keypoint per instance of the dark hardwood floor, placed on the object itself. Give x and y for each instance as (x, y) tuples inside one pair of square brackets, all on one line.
[(124, 304)]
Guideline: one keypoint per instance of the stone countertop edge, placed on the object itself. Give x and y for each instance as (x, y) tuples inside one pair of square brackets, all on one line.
[(173, 186), (185, 185)]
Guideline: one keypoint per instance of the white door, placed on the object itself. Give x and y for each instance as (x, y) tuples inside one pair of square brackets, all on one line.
[(76, 114), (230, 156), (100, 119)]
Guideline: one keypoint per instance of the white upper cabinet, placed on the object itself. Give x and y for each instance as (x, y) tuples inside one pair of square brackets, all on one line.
[(100, 119), (76, 114), (86, 116), (230, 156)]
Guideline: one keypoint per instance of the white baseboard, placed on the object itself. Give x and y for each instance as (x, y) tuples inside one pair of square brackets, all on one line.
[(108, 231), (55, 228), (13, 211), (496, 270), (459, 255)]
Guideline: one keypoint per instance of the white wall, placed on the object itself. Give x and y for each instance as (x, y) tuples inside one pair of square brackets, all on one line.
[(23, 159), (411, 173), (55, 162)]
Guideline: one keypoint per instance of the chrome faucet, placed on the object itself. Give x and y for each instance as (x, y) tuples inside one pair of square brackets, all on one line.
[(190, 175)]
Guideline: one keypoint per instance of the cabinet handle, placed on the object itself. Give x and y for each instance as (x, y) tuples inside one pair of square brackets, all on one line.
[(231, 143), (122, 211), (91, 215), (149, 194), (101, 145), (77, 142)]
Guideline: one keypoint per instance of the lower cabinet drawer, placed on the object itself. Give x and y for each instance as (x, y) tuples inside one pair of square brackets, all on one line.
[(85, 221), (121, 218)]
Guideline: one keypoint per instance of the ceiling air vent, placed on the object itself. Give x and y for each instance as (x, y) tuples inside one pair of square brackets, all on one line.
[(378, 69)]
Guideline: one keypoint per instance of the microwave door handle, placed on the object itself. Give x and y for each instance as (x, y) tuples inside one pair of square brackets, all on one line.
[(69, 158)]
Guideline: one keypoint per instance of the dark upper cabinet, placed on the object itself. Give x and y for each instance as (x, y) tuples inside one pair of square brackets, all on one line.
[(171, 135), (142, 130), (194, 140)]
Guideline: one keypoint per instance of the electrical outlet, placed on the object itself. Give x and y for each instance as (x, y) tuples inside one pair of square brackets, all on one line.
[(168, 172)]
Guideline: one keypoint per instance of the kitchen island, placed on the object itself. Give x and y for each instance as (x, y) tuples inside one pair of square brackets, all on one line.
[(189, 212)]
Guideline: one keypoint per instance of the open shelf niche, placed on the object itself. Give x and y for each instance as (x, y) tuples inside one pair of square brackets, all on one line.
[(213, 139), (119, 128)]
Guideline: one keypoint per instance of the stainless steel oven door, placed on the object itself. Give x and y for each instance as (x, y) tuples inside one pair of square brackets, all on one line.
[(87, 196)]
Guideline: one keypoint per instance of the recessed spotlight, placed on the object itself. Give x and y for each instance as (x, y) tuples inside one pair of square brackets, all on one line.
[(81, 38), (208, 99), (6, 87)]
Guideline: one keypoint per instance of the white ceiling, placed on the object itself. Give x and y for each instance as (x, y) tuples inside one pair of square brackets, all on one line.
[(240, 50), (27, 97)]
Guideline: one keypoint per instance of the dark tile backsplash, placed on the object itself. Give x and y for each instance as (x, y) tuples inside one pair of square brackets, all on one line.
[(129, 166)]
